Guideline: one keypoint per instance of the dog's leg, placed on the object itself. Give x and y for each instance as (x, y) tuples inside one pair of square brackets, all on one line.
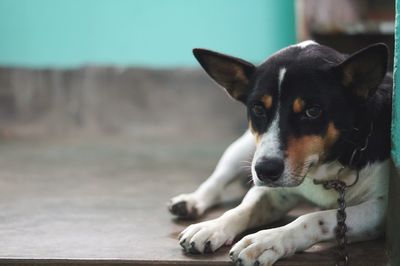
[(260, 206), (230, 166), (364, 221)]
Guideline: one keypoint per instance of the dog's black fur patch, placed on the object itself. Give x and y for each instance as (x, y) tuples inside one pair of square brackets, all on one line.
[(353, 92)]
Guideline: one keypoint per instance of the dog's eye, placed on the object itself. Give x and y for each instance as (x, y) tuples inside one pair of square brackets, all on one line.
[(313, 112), (258, 110)]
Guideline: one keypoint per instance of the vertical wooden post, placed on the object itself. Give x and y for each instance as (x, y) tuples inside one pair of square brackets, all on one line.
[(393, 225)]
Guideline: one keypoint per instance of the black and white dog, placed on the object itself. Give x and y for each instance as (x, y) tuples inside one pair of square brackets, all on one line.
[(309, 108)]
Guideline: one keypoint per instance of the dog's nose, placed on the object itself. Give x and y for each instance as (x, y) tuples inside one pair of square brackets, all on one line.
[(269, 169)]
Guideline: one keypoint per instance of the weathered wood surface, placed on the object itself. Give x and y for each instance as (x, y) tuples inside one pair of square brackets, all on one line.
[(101, 200)]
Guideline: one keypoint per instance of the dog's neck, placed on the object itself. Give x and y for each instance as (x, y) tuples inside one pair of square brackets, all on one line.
[(372, 126)]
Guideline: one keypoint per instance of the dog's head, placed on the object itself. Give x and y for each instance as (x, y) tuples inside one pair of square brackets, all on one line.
[(300, 102)]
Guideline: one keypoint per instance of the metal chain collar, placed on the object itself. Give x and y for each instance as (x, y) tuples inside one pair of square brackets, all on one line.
[(341, 187)]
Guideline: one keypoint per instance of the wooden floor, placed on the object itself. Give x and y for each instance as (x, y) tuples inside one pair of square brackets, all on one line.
[(102, 201)]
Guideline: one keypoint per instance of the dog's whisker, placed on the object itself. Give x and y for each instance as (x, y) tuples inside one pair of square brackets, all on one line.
[(250, 180)]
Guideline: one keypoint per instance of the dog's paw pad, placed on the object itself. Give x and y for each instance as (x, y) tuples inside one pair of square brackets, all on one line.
[(178, 208), (239, 262), (205, 237), (207, 247), (182, 243), (185, 206), (192, 249), (262, 248)]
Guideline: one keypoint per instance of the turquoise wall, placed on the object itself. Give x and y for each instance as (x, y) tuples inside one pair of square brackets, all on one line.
[(396, 98), (156, 33)]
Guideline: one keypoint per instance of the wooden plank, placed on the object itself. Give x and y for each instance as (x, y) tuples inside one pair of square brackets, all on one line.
[(100, 200), (393, 221)]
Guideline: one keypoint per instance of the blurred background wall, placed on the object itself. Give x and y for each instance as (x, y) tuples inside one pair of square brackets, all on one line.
[(125, 66), (155, 33)]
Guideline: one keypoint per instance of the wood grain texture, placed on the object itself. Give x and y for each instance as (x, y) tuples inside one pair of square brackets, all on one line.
[(101, 201)]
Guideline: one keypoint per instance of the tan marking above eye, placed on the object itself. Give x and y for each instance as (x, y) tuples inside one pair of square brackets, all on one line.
[(298, 105), (332, 133), (267, 100)]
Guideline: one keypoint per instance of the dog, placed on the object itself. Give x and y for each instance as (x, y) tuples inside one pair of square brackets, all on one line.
[(314, 115)]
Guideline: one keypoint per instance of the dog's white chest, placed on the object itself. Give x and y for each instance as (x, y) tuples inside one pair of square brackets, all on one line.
[(372, 182), (317, 195)]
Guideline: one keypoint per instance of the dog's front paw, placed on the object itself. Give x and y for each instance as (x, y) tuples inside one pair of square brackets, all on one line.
[(187, 206), (206, 237), (263, 248)]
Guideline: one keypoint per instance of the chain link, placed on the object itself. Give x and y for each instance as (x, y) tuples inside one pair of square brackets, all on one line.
[(341, 187), (341, 227)]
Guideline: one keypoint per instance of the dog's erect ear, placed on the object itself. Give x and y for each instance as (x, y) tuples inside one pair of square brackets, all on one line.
[(230, 72), (364, 70)]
